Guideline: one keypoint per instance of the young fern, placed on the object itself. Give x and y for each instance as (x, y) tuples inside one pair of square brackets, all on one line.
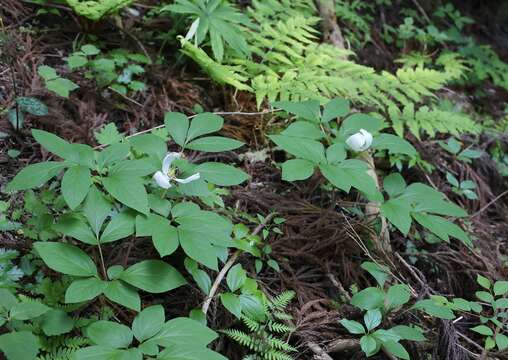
[(264, 336)]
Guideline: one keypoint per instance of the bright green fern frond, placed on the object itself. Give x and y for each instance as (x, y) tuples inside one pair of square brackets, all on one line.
[(280, 328), (276, 355), (251, 324), (280, 345), (240, 337), (282, 301)]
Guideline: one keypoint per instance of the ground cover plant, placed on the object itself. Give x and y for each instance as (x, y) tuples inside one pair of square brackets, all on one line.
[(260, 180)]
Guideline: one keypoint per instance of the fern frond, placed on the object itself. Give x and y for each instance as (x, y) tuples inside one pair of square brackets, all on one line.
[(279, 328), (251, 324), (282, 300), (280, 345), (276, 355), (240, 337)]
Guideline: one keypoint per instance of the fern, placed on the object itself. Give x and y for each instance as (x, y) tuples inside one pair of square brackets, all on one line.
[(263, 337), (61, 347)]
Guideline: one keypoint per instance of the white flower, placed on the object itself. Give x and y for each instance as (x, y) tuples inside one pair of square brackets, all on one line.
[(360, 141), (167, 175)]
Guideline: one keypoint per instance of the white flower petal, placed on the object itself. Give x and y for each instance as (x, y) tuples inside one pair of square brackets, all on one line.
[(162, 180), (168, 160), (188, 180), (360, 141), (368, 138), (192, 30)]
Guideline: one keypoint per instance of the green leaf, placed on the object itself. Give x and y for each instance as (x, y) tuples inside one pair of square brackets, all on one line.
[(483, 282), (297, 169), (214, 144), (28, 310), (500, 288), (108, 135), (110, 334), (204, 123), (350, 173), (66, 258), (19, 345), (56, 322), (177, 125), (184, 332), (16, 118), (483, 330), (123, 294), (221, 174), (96, 209), (232, 303), (368, 299), (409, 333), (61, 86), (368, 344), (394, 184), (308, 110), (154, 276), (148, 322), (47, 72), (76, 61), (335, 108), (354, 327), (501, 342), (32, 106), (394, 144), (336, 153), (303, 129), (100, 353), (120, 227), (300, 147), (178, 352), (84, 290), (165, 237), (7, 300), (396, 349), (353, 123), (236, 277), (197, 249), (372, 319), (75, 185), (397, 211), (135, 168), (378, 272), (397, 295), (434, 309), (200, 277), (52, 143), (90, 49), (35, 175), (149, 144), (129, 191)]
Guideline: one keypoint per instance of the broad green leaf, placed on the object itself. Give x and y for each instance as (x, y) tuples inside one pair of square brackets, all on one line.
[(297, 169), (253, 307), (378, 272), (28, 310), (368, 344), (108, 135), (148, 322), (335, 108), (483, 282), (90, 49), (409, 333), (52, 143), (35, 175), (153, 276), (353, 123), (201, 277), (303, 129), (19, 345), (372, 319), (397, 211), (56, 322), (159, 205), (84, 290), (46, 72), (221, 174), (75, 227), (350, 173), (100, 353), (501, 342), (96, 209), (184, 332), (368, 299), (396, 349), (336, 153), (165, 237), (66, 258), (61, 86), (308, 110), (7, 300), (483, 330), (178, 352), (394, 144), (16, 118), (129, 191), (500, 287), (434, 309), (485, 296), (76, 61), (204, 123), (149, 144), (75, 185), (300, 147), (197, 248), (177, 125), (135, 168), (354, 327), (110, 334), (236, 277), (397, 295), (120, 227), (394, 184), (232, 303), (123, 294), (214, 144)]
